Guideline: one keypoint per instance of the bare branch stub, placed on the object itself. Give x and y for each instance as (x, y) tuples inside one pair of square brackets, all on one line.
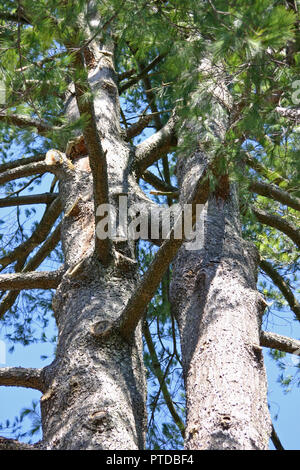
[(280, 342), (22, 377)]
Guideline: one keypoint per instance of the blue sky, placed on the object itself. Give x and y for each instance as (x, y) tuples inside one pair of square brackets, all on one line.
[(284, 405)]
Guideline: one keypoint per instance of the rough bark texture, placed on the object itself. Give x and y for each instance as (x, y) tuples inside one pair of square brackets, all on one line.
[(95, 387), (219, 311), (96, 391), (95, 396)]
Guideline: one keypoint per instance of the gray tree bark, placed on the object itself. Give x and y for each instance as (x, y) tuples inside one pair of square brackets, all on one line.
[(95, 396), (218, 309)]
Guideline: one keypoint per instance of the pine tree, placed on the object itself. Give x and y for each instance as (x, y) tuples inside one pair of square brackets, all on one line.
[(212, 90)]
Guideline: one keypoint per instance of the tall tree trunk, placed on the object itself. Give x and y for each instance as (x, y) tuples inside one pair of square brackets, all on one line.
[(95, 396), (96, 389), (219, 310), (215, 300)]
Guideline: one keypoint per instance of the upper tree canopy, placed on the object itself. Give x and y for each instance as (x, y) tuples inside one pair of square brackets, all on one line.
[(161, 49)]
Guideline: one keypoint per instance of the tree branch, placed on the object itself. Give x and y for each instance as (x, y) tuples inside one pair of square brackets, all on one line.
[(21, 162), (282, 286), (277, 194), (151, 149), (42, 62), (282, 343), (31, 280), (45, 250), (12, 444), (275, 439), (279, 223), (97, 156), (158, 183), (22, 377), (292, 114), (39, 235), (14, 17), (151, 98), (142, 73), (149, 283), (126, 74), (9, 299), (138, 126), (272, 176), (24, 121), (45, 198)]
